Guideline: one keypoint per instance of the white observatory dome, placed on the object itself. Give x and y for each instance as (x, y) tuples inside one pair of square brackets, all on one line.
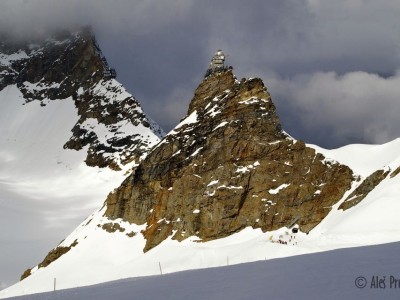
[(220, 54)]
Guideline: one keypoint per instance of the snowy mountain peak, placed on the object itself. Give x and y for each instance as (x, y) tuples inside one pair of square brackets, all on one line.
[(112, 127)]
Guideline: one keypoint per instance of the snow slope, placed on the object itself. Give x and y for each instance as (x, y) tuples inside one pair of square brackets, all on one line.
[(365, 159), (373, 221), (313, 276), (45, 190)]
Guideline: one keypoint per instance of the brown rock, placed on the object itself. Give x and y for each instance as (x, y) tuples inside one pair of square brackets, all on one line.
[(112, 227), (26, 274), (52, 256), (395, 172), (232, 168), (56, 254)]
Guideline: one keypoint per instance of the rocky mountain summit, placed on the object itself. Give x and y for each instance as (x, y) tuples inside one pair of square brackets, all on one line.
[(70, 65), (228, 165)]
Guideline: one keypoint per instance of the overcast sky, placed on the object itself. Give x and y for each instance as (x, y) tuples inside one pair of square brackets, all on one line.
[(331, 66)]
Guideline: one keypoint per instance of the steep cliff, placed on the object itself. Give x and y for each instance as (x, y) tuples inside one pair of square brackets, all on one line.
[(228, 165)]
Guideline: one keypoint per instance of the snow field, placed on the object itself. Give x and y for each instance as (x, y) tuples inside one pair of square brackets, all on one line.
[(326, 275)]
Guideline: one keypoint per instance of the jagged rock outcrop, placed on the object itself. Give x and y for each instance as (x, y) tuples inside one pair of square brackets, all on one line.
[(366, 186), (52, 256), (226, 166), (70, 65), (395, 172)]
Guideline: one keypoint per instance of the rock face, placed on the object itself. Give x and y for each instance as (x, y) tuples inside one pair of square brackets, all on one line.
[(70, 65), (226, 166)]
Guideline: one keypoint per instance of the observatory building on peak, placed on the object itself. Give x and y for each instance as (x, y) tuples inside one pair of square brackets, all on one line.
[(217, 63)]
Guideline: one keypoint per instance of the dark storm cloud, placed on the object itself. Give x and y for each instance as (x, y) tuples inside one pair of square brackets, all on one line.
[(162, 48)]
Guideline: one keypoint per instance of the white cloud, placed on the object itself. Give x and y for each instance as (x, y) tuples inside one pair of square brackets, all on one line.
[(356, 105)]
